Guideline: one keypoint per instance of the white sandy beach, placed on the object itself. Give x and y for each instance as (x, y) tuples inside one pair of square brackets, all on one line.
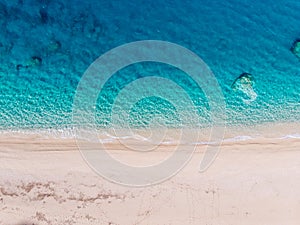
[(251, 182)]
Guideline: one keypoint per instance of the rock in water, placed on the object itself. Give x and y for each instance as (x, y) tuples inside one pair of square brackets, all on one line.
[(44, 15), (296, 48), (245, 85), (35, 61)]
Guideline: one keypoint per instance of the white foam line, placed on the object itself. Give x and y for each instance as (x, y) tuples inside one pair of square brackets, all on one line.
[(291, 136), (66, 133)]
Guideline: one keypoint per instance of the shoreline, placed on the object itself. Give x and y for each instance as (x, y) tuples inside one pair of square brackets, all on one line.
[(265, 130), (263, 133)]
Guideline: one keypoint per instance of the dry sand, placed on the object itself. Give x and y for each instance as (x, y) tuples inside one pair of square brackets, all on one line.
[(250, 182)]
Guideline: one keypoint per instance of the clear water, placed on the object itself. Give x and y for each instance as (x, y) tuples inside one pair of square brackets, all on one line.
[(231, 36)]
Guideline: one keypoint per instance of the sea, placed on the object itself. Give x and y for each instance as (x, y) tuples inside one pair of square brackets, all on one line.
[(47, 47)]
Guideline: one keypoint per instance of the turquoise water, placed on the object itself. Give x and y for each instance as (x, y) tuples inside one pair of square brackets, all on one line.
[(46, 46)]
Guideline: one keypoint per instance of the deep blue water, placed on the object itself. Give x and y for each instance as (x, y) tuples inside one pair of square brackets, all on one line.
[(46, 45)]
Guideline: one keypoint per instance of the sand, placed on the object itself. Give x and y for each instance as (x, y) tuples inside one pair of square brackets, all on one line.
[(250, 182)]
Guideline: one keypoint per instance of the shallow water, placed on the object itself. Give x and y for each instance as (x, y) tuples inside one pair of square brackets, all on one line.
[(231, 36)]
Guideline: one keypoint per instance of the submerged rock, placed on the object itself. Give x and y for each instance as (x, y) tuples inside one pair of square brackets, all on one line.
[(54, 46), (244, 84), (34, 61), (44, 15), (244, 79), (295, 49)]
